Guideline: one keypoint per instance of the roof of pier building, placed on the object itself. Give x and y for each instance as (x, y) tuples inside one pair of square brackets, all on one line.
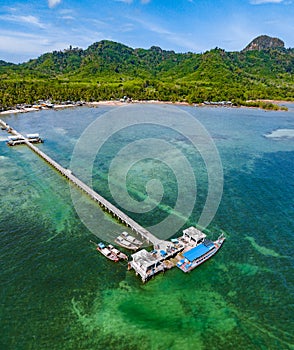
[(193, 233), (144, 259)]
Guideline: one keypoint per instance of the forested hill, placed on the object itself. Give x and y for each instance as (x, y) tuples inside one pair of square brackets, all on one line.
[(108, 70)]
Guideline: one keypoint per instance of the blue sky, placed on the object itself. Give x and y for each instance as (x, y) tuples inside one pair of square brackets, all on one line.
[(30, 28)]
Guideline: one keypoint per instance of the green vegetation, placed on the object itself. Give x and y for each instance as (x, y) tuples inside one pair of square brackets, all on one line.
[(264, 105), (108, 70)]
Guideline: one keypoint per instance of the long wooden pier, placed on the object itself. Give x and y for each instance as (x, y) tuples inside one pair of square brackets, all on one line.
[(145, 234)]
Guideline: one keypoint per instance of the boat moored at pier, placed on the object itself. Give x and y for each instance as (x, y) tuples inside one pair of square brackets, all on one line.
[(18, 139), (131, 239), (186, 252), (117, 252), (106, 252), (127, 241), (199, 254), (110, 251)]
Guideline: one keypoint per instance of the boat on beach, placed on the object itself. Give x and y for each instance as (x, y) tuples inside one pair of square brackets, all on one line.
[(199, 254)]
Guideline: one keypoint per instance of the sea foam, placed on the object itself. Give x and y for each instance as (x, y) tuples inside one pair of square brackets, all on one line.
[(281, 133)]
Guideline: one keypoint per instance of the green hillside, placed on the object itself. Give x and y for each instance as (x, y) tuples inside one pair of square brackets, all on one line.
[(108, 70)]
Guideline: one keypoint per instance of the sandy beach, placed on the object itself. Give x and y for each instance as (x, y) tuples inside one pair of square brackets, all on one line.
[(117, 103), (90, 104)]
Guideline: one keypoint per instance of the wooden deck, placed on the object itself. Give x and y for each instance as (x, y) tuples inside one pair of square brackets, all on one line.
[(145, 234)]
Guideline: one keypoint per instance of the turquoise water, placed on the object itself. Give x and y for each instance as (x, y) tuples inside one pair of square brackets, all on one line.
[(57, 292)]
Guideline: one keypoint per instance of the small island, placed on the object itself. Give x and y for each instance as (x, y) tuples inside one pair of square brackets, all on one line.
[(106, 71)]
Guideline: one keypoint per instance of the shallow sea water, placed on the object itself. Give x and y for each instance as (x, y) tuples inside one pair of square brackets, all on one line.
[(57, 292)]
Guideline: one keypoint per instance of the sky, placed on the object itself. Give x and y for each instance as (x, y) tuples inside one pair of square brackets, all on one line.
[(31, 28)]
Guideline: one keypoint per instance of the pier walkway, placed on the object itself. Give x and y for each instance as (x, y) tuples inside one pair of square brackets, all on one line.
[(145, 234)]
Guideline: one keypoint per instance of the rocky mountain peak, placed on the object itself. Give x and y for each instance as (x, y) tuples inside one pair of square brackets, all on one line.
[(264, 42)]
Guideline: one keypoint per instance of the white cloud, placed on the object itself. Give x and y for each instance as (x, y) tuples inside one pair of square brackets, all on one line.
[(66, 12), (52, 3), (175, 38), (24, 19), (153, 27), (131, 1), (9, 9), (98, 22), (16, 43), (125, 1), (16, 34), (68, 17), (258, 2), (20, 47), (125, 27)]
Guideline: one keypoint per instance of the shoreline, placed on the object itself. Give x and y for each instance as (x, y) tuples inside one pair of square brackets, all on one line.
[(122, 103), (92, 104)]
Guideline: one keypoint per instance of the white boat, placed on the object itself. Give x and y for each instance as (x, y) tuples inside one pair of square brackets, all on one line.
[(125, 244), (117, 252), (131, 239), (199, 254), (100, 247)]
